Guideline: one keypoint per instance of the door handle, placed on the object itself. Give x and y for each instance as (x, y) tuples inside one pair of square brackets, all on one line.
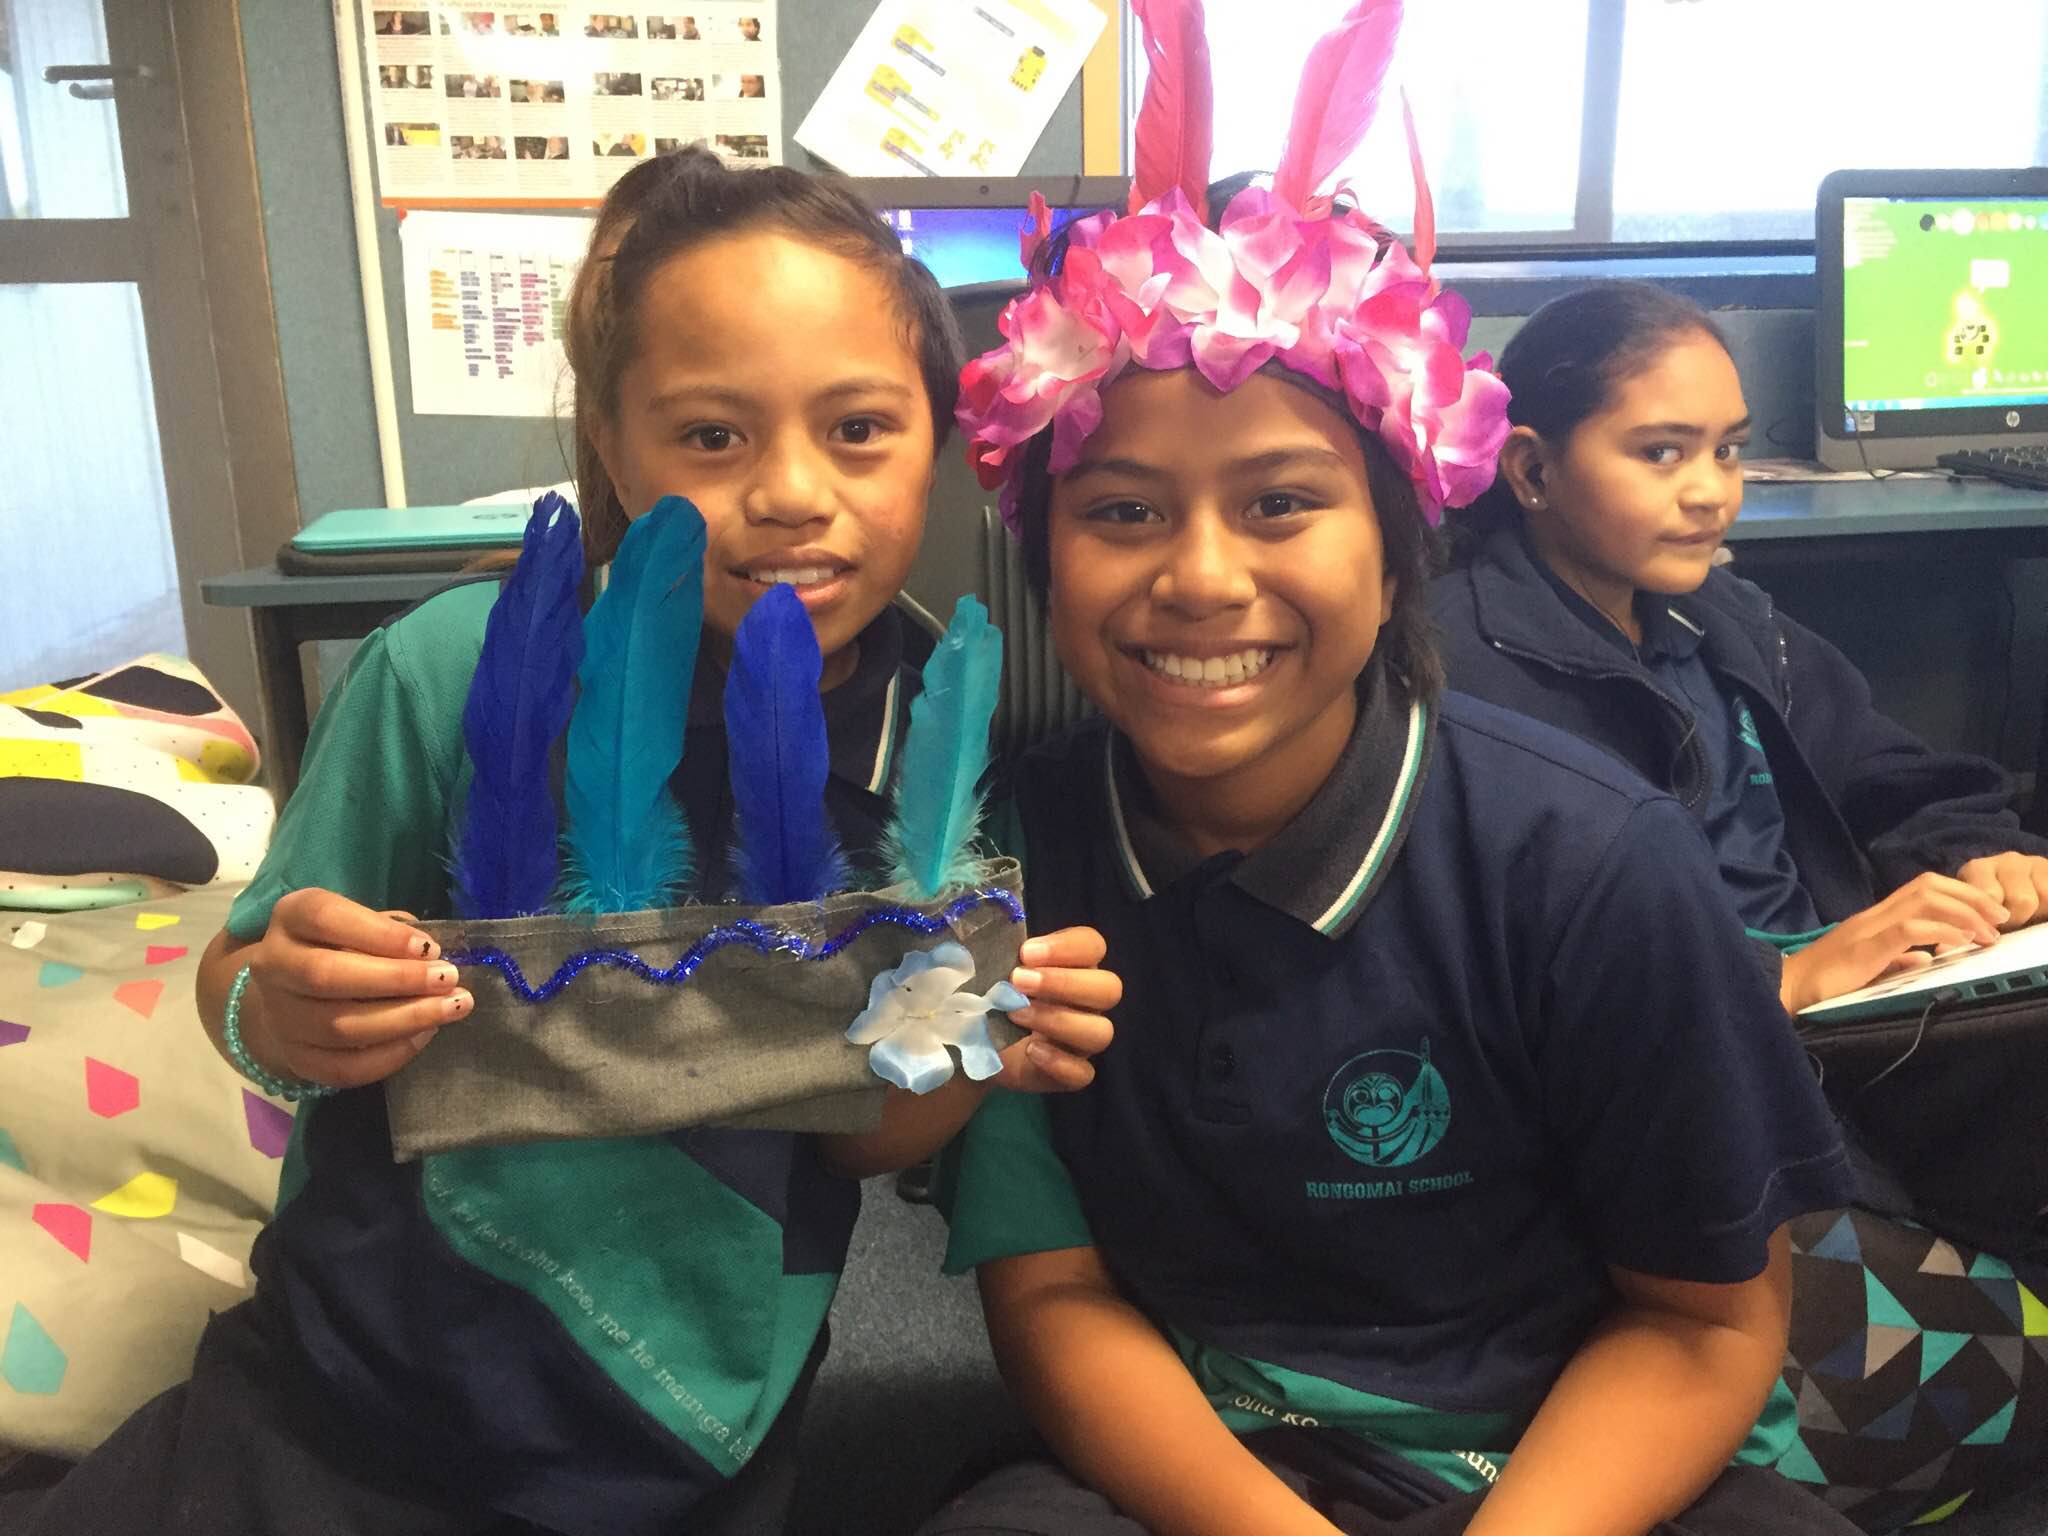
[(93, 82)]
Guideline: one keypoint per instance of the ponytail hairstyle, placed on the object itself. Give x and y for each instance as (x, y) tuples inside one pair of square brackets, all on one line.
[(673, 202), (1563, 366), (1408, 545)]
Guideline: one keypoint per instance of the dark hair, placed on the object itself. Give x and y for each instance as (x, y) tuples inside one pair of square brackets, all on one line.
[(1563, 365), (672, 202), (1407, 543)]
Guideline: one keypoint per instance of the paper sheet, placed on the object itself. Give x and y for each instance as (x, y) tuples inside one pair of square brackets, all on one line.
[(950, 87), (485, 299), (553, 106)]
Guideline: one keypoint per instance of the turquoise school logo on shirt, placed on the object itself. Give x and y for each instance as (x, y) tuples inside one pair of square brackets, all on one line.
[(1387, 1109), (1746, 733), (1745, 727)]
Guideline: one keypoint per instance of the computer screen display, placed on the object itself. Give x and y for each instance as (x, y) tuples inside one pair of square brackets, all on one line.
[(1930, 320), (1944, 302), (965, 228), (963, 246)]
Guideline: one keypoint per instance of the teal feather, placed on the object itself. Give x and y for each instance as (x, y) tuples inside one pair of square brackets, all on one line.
[(628, 846), (937, 815)]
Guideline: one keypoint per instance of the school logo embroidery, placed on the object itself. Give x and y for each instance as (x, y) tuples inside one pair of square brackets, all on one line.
[(1387, 1109), (1745, 727), (1746, 732)]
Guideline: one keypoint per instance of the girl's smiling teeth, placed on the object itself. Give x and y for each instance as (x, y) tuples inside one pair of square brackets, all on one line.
[(1210, 671), (798, 576)]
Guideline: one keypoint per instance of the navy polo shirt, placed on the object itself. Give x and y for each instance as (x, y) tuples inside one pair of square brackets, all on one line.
[(587, 1335), (1389, 1094), (1742, 815)]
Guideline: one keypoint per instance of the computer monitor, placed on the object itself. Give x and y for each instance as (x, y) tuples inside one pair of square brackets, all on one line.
[(1931, 334), (965, 228)]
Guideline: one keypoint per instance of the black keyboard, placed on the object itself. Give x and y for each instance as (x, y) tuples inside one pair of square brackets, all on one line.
[(2015, 466)]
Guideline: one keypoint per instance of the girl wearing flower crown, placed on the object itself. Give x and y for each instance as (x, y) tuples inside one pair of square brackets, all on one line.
[(603, 1337), (1424, 1189)]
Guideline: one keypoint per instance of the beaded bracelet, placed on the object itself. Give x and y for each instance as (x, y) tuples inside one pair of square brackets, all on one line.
[(231, 1036)]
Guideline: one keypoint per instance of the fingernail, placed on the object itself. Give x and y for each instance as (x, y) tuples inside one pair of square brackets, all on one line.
[(1025, 979), (1036, 951), (456, 1005), (442, 976), (429, 950), (1039, 1052), (419, 1041)]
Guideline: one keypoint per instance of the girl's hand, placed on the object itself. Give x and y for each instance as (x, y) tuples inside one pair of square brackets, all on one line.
[(1901, 933), (2018, 880), (1070, 995), (341, 995)]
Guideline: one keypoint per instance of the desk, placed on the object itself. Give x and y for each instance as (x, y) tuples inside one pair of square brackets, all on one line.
[(1783, 524), (1813, 521), (286, 612)]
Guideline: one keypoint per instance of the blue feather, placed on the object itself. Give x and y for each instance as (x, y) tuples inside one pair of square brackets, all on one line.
[(506, 855), (930, 841), (629, 848), (779, 756)]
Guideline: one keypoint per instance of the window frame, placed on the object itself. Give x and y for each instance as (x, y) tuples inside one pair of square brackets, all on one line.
[(1591, 235)]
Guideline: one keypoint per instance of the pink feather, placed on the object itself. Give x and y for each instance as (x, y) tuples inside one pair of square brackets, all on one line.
[(1425, 206), (1340, 91), (1175, 131)]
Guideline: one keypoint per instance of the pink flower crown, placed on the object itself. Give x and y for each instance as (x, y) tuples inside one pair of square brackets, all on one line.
[(1282, 279)]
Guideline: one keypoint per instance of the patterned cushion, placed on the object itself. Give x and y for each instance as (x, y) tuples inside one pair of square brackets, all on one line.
[(135, 1166), (131, 783)]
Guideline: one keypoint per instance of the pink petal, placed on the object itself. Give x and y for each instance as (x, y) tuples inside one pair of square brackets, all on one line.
[(1226, 361), (1449, 319), (1006, 505), (1296, 289), (1071, 429), (1253, 202), (1365, 369), (1261, 246)]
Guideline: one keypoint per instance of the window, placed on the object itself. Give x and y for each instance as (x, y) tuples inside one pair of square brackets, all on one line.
[(1590, 122)]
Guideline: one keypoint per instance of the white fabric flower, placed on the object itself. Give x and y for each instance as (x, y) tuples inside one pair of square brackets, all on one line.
[(916, 1010)]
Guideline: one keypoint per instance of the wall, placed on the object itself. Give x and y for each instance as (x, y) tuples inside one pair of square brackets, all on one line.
[(1953, 673), (295, 96)]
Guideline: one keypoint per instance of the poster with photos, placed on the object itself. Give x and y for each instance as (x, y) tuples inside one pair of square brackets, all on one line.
[(532, 107)]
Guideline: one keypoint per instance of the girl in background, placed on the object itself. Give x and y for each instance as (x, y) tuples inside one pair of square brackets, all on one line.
[(1584, 592)]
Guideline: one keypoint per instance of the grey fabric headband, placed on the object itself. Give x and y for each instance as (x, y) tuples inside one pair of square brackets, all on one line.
[(750, 1039)]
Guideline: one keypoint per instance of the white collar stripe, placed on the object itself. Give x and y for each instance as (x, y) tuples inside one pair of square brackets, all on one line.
[(1397, 806), (885, 749), (1132, 868)]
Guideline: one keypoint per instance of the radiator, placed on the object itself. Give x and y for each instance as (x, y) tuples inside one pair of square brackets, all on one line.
[(1038, 699)]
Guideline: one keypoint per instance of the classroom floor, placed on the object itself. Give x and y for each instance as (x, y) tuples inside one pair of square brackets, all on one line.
[(908, 1394)]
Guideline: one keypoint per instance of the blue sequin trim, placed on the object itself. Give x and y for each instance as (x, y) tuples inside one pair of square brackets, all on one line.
[(756, 936)]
